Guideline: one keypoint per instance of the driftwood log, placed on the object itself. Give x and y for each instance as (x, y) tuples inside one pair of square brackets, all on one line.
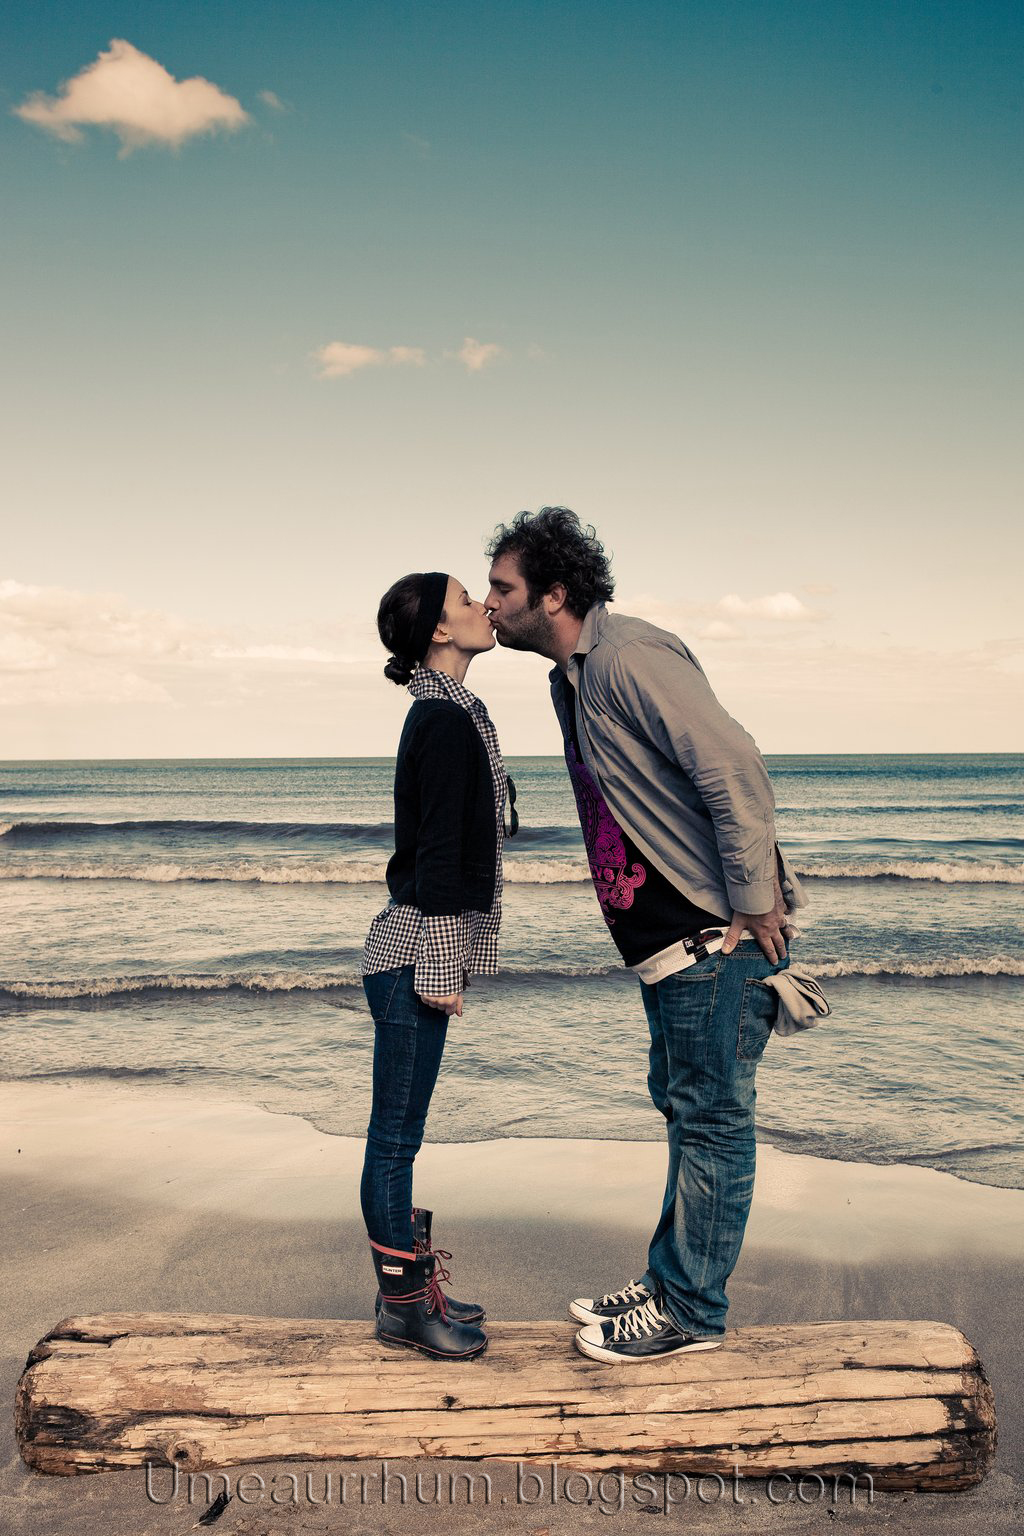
[(907, 1403)]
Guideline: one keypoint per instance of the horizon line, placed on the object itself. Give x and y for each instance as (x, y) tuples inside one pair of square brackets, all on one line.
[(555, 757)]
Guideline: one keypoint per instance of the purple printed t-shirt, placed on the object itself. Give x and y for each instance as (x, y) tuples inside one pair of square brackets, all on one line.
[(644, 911)]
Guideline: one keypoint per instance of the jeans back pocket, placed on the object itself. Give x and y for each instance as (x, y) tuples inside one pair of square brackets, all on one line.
[(380, 989), (757, 1019)]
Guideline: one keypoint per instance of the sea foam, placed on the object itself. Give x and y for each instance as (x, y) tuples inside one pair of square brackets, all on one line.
[(269, 979), (518, 871)]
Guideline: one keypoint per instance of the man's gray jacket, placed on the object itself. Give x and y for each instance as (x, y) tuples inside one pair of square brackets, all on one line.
[(681, 777)]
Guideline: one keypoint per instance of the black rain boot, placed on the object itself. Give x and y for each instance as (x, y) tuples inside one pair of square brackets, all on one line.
[(413, 1308), (458, 1311)]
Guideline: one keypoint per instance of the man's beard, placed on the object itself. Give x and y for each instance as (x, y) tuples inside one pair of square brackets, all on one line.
[(532, 632)]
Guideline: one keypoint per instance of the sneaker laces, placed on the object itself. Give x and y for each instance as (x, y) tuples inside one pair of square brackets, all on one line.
[(640, 1322), (634, 1291)]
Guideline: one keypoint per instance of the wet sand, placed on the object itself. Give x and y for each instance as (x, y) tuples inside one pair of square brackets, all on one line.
[(121, 1199)]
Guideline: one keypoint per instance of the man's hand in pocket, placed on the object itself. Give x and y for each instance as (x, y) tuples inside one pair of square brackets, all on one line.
[(770, 929)]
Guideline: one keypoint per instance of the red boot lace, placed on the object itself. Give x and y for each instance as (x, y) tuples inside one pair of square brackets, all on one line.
[(440, 1276), (436, 1296), (439, 1269), (431, 1293)]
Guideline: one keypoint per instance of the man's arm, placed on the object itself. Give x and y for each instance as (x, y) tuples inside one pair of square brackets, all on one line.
[(671, 698)]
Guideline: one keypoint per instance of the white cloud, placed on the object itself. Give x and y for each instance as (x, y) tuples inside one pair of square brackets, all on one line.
[(718, 629), (784, 606), (23, 653), (129, 92), (475, 355), (272, 99), (713, 620), (414, 355), (66, 690), (339, 359), (277, 653), (87, 674), (60, 646), (819, 588), (728, 618), (87, 624)]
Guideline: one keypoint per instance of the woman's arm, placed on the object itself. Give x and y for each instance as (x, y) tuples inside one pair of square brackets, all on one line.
[(447, 762)]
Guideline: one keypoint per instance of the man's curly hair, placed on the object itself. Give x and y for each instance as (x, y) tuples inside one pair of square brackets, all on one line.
[(551, 546)]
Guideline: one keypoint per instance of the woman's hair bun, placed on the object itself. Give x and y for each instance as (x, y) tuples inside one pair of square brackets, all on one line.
[(399, 670), (396, 625)]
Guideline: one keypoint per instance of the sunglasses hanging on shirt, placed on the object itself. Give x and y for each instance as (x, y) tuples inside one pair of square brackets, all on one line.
[(513, 814)]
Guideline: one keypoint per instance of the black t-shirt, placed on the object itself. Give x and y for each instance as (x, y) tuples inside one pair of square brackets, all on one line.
[(644, 911)]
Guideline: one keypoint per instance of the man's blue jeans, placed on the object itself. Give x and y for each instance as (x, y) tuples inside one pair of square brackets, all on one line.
[(408, 1045), (709, 1026)]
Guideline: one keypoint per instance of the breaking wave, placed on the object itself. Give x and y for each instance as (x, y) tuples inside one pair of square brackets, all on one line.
[(129, 986), (953, 873), (323, 872), (269, 979), (930, 970), (518, 871)]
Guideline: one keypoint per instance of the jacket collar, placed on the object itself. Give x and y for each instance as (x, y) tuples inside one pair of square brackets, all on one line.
[(590, 635)]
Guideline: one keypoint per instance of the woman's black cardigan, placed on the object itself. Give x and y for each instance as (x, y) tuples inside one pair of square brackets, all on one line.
[(446, 842)]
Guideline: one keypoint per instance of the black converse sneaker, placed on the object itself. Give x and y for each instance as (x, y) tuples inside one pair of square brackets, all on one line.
[(644, 1333), (585, 1309)]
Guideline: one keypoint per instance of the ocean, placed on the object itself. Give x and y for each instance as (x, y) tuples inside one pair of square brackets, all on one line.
[(198, 924)]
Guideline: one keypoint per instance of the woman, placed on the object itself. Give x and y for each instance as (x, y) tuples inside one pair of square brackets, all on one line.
[(440, 924)]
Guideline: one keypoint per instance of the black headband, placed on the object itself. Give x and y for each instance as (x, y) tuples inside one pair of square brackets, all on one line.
[(435, 590)]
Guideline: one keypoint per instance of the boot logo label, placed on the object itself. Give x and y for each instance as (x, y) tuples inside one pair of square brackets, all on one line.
[(393, 1269)]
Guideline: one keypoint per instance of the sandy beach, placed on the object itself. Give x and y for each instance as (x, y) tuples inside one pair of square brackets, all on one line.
[(118, 1199)]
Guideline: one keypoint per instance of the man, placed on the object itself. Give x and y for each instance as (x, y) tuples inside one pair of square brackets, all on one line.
[(678, 818)]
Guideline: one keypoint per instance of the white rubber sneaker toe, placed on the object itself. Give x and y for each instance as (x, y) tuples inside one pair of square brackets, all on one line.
[(590, 1341), (582, 1309)]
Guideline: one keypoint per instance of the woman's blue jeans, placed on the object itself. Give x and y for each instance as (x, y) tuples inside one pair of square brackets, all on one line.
[(709, 1026), (407, 1049)]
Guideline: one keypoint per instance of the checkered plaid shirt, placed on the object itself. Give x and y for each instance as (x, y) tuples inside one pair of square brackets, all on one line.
[(445, 949)]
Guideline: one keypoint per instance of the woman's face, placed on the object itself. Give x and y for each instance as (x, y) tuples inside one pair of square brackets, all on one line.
[(465, 622)]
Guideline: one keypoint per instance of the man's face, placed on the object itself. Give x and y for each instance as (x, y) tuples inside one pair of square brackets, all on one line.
[(517, 626)]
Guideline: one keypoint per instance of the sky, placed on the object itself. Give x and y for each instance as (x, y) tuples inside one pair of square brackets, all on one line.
[(297, 298)]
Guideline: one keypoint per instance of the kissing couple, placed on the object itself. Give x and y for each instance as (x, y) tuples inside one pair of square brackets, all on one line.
[(678, 817)]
